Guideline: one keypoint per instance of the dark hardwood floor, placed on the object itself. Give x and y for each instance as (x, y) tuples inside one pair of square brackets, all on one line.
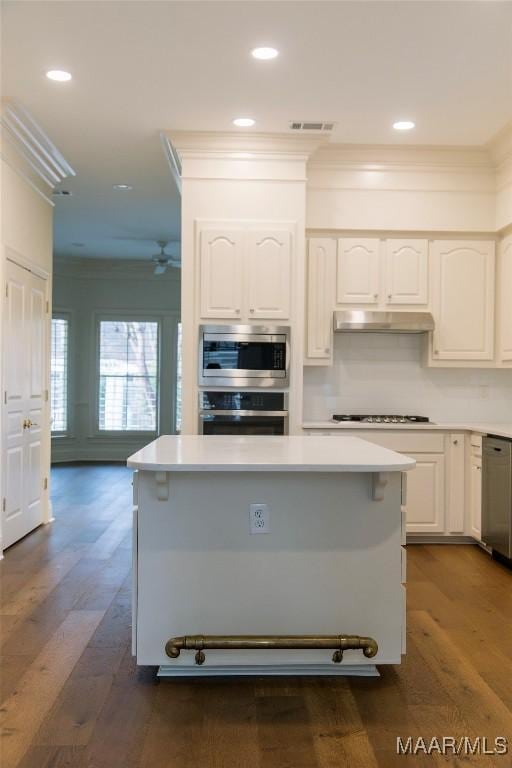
[(73, 697)]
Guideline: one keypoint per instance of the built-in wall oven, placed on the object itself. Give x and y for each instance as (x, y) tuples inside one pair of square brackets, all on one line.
[(244, 356), (243, 413)]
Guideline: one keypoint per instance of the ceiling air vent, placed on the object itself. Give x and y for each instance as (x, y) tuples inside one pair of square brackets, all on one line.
[(61, 193), (311, 126)]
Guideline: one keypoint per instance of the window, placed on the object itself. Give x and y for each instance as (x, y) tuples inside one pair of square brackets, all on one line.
[(59, 375), (128, 376), (178, 378)]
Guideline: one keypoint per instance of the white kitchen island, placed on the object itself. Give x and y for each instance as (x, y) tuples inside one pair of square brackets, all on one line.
[(320, 593)]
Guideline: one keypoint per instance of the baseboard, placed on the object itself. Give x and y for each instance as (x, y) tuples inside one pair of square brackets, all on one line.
[(440, 538)]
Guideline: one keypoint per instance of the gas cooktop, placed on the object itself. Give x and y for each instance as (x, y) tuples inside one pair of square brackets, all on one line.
[(376, 419)]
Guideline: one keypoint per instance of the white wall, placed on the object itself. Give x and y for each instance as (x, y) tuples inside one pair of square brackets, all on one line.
[(382, 373), (87, 289)]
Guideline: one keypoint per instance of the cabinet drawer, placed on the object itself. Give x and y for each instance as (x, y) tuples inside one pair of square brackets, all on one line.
[(402, 442)]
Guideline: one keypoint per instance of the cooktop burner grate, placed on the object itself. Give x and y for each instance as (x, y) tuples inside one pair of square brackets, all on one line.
[(381, 419)]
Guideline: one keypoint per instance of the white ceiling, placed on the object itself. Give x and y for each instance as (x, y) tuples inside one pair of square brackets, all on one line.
[(140, 67)]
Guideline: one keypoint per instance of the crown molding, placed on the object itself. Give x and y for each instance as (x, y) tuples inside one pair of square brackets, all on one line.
[(377, 157), (258, 145), (500, 146), (36, 156)]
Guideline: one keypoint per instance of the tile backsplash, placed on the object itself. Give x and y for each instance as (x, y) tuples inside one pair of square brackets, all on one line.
[(383, 373)]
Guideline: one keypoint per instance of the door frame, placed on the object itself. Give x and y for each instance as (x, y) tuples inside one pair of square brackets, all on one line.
[(10, 255)]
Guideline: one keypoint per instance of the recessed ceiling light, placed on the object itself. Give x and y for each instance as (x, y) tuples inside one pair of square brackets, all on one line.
[(59, 75), (123, 187), (264, 53), (403, 125), (243, 122)]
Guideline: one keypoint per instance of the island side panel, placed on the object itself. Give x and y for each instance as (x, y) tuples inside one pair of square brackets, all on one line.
[(331, 563)]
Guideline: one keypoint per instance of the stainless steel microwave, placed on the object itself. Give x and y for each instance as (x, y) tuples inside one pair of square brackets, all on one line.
[(244, 355)]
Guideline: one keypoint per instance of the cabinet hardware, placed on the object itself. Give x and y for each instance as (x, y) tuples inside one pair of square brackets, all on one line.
[(251, 310), (390, 296), (4, 504), (455, 442), (338, 643), (327, 350), (375, 295)]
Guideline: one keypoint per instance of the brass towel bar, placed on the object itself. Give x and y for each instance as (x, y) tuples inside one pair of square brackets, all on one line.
[(339, 643)]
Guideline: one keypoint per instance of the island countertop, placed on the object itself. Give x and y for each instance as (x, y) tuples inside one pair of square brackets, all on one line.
[(226, 453)]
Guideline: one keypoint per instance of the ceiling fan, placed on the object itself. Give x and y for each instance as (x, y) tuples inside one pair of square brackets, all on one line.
[(162, 260)]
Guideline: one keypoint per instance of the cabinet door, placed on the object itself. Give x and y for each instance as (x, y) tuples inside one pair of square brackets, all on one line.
[(476, 499), (505, 289), (268, 275), (320, 293), (406, 271), (425, 494), (463, 300), (358, 270), (221, 271)]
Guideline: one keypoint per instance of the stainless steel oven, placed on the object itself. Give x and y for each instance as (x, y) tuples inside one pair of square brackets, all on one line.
[(244, 355), (243, 413)]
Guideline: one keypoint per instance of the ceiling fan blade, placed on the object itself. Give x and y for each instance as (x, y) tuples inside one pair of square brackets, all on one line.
[(160, 269)]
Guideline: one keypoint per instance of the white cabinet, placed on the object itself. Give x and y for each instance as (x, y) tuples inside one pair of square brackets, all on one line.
[(505, 301), (245, 273), (463, 300), (358, 270), (221, 269), (425, 494), (406, 271), (268, 275), (320, 298), (475, 522)]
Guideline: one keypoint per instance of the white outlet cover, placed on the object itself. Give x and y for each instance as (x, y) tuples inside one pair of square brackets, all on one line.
[(259, 518)]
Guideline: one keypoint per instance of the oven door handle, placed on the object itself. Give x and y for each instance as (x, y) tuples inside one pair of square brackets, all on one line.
[(207, 414)]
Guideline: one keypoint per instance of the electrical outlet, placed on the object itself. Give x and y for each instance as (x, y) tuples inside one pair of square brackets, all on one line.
[(259, 519)]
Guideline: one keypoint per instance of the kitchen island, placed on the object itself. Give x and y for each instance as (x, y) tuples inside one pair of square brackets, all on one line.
[(268, 555)]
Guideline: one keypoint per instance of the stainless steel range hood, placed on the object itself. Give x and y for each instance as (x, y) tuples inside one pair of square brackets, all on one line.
[(382, 322)]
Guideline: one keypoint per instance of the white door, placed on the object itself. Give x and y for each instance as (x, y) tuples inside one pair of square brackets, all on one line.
[(505, 289), (407, 271), (25, 334), (425, 494), (320, 293), (358, 270), (268, 275), (463, 300), (221, 270)]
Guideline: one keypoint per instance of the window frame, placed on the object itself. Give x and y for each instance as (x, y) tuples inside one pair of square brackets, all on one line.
[(124, 317), (63, 314)]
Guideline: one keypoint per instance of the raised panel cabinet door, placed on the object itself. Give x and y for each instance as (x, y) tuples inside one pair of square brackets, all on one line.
[(221, 273), (425, 494), (320, 297), (476, 499), (358, 270), (406, 271), (268, 275), (505, 293), (463, 300)]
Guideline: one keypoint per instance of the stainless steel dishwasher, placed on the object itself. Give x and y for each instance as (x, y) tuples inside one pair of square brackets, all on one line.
[(497, 495)]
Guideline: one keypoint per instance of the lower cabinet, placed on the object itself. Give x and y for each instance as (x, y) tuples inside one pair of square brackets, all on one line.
[(475, 505), (425, 509)]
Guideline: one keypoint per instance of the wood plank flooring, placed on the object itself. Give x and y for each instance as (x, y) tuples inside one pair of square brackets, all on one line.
[(74, 698)]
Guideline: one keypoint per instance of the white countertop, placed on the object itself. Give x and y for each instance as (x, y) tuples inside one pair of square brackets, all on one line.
[(501, 430), (225, 453)]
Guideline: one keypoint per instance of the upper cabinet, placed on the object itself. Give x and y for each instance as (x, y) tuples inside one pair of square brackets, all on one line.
[(320, 299), (463, 300), (505, 301), (358, 271), (245, 274), (268, 275), (406, 270), (221, 267)]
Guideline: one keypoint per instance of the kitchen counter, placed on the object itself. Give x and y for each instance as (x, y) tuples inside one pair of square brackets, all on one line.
[(226, 453), (484, 428), (327, 573)]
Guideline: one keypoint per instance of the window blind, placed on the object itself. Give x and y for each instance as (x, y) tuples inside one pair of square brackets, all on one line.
[(59, 374), (128, 376)]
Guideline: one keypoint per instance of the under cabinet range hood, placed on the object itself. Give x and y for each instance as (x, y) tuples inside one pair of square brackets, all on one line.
[(382, 322)]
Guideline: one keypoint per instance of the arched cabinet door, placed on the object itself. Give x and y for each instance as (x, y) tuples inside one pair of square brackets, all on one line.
[(268, 275), (463, 300), (505, 298), (320, 298), (221, 273), (358, 270), (406, 271)]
